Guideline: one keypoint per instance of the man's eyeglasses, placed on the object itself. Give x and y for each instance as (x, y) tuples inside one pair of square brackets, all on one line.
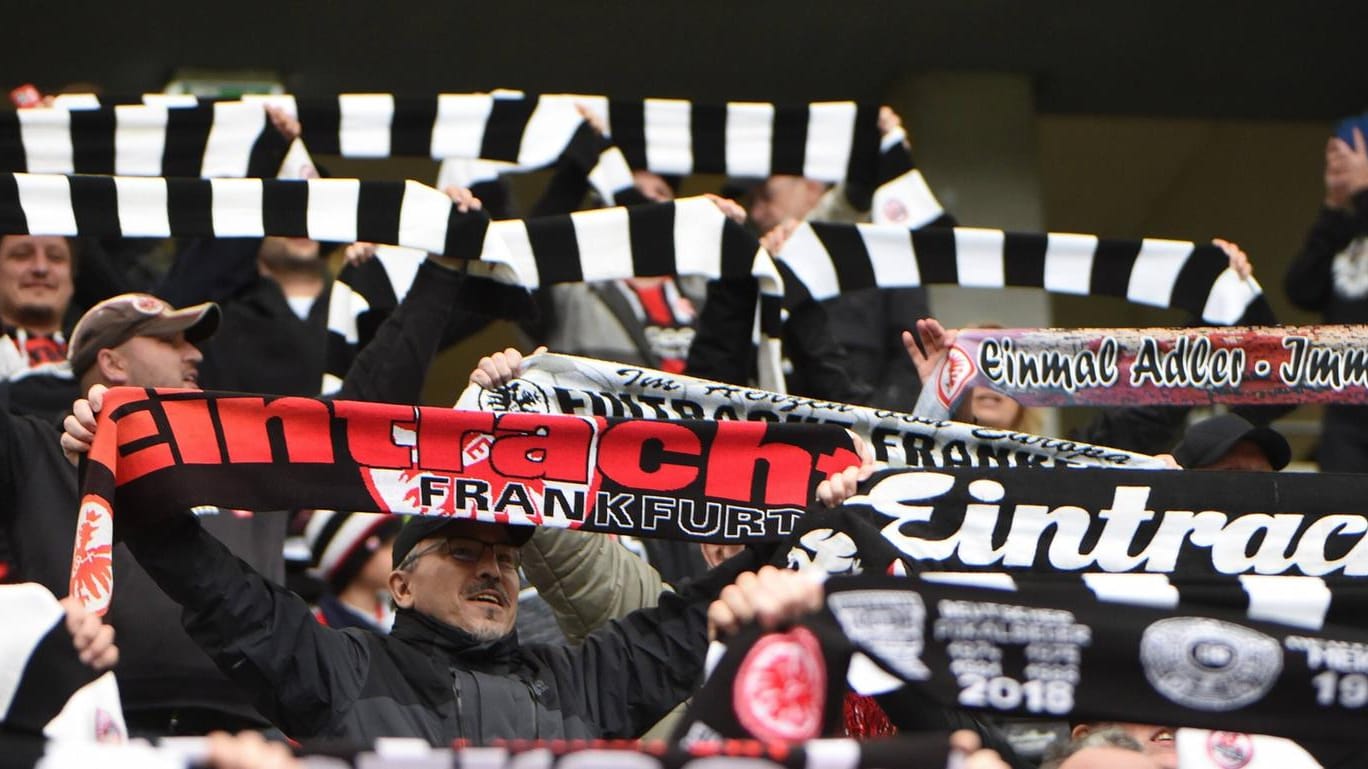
[(468, 550)]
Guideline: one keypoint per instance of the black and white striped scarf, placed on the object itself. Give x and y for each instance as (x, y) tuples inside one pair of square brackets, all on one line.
[(834, 142), (822, 260), (825, 141), (223, 139), (686, 237)]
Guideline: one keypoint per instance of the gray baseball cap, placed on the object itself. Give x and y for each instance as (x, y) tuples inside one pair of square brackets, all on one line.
[(118, 319)]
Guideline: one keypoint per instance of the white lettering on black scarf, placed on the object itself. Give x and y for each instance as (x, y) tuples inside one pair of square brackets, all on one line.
[(564, 384)]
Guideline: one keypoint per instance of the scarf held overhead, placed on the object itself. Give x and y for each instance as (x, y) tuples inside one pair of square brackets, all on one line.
[(1287, 547), (1164, 366), (224, 139), (824, 260), (565, 384), (160, 452), (685, 237), (825, 141), (1022, 653), (1189, 523), (833, 142)]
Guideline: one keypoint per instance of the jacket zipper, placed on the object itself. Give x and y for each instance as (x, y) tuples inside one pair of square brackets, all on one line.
[(456, 690), (536, 726)]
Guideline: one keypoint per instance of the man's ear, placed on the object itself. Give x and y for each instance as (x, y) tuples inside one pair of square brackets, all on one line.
[(1080, 731), (401, 589), (112, 365)]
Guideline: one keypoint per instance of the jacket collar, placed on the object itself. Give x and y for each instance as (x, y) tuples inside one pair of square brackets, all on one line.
[(422, 630)]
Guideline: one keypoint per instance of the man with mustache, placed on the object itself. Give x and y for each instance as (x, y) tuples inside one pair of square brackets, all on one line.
[(452, 667)]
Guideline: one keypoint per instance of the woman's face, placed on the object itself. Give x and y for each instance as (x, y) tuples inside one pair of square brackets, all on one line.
[(993, 409)]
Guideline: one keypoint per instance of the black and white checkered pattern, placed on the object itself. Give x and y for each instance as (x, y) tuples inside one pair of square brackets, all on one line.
[(223, 139), (823, 260)]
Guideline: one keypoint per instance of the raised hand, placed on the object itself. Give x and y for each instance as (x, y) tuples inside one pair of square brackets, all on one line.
[(730, 208), (1239, 260), (936, 340), (1346, 169), (78, 429), (774, 240), (495, 371), (287, 125), (93, 639), (769, 596)]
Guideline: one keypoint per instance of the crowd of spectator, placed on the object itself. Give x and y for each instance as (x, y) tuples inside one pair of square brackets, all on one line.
[(422, 629)]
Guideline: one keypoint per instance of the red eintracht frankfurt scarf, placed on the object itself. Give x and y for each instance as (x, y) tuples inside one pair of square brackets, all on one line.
[(158, 452)]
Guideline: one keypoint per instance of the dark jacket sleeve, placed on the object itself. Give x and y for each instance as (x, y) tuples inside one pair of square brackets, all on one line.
[(391, 368), (568, 185), (297, 672), (721, 348), (1308, 279), (630, 673), (819, 360), (211, 270)]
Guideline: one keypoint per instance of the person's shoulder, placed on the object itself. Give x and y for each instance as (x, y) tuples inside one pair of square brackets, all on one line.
[(546, 658), (38, 429)]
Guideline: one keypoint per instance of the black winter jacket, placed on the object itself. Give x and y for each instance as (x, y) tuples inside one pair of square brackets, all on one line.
[(426, 679)]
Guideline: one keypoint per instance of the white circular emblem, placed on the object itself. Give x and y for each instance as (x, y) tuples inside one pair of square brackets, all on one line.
[(1207, 664), (518, 395), (780, 687)]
